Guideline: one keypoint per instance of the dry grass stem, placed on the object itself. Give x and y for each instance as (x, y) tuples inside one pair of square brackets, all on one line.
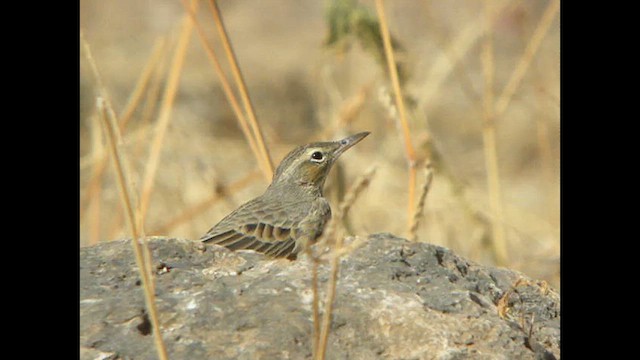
[(94, 188), (359, 185), (244, 94), (94, 68), (138, 137), (165, 112), (447, 61), (544, 148), (350, 197), (141, 84), (153, 92), (546, 155), (413, 230), (545, 152), (393, 73), (461, 73), (315, 306), (109, 122), (525, 60), (499, 242), (503, 305), (230, 95), (99, 156), (128, 200), (328, 309)]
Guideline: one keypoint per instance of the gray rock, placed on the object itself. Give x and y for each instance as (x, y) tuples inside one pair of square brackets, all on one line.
[(395, 300)]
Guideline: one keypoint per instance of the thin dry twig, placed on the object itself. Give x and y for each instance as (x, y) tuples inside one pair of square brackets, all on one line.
[(514, 81), (450, 53), (350, 197), (525, 60), (547, 164), (109, 121), (143, 81), (499, 243), (230, 95), (99, 156), (127, 195), (244, 94), (128, 201), (409, 149), (109, 111), (413, 229), (153, 93), (445, 63), (165, 111), (315, 304), (94, 188)]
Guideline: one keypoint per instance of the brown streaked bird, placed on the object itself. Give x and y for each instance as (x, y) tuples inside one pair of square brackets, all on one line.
[(292, 212)]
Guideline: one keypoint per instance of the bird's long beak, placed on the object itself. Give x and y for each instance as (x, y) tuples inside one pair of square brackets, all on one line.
[(348, 142)]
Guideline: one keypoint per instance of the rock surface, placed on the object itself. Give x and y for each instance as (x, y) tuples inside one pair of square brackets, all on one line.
[(395, 300)]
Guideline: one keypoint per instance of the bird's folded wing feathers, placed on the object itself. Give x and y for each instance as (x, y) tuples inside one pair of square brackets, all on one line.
[(253, 226), (259, 240)]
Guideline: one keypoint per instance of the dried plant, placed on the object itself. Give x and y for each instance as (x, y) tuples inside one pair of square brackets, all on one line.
[(165, 111), (267, 163), (143, 258), (417, 215), (320, 340)]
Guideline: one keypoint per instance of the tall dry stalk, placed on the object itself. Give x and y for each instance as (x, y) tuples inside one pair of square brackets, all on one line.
[(320, 346), (449, 53), (393, 73), (492, 111), (447, 61), (94, 188), (415, 222), (525, 60), (231, 98), (547, 163), (499, 242), (133, 216), (315, 306), (99, 156), (143, 81), (110, 125), (153, 92), (165, 111), (244, 94)]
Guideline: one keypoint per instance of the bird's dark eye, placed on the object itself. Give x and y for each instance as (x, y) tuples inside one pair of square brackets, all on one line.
[(317, 156)]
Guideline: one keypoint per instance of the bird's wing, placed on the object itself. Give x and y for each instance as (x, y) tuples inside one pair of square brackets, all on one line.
[(265, 226)]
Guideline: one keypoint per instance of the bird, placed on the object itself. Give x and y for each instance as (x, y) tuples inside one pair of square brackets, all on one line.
[(292, 212)]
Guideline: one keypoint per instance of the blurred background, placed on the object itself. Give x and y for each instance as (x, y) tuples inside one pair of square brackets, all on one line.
[(315, 71)]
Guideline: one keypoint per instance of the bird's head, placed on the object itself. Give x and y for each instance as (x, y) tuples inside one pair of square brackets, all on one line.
[(309, 165)]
